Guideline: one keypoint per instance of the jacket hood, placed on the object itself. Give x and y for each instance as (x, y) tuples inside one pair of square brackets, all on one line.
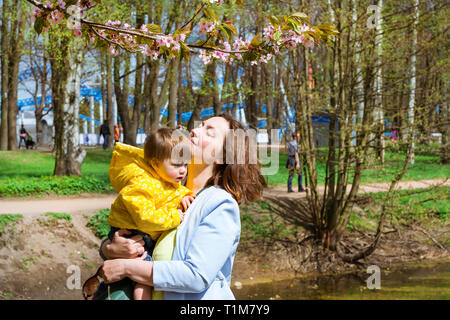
[(124, 162)]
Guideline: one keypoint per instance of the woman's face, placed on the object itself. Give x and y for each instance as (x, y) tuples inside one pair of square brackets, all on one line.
[(207, 140)]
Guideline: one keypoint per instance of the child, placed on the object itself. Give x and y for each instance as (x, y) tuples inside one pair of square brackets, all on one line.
[(150, 194)]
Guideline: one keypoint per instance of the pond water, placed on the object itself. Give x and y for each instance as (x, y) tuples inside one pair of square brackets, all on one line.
[(426, 281)]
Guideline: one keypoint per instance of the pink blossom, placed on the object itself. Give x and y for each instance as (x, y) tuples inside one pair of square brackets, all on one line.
[(240, 44), (48, 5), (222, 56), (266, 58), (305, 28), (101, 32), (226, 45), (206, 26), (36, 13), (113, 50), (181, 37), (276, 49), (62, 4), (147, 51), (218, 2), (290, 44), (205, 57), (77, 32), (144, 28), (164, 41), (175, 44), (268, 32), (55, 17), (309, 44)]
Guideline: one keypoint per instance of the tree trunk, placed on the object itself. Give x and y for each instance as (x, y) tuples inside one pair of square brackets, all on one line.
[(109, 96), (413, 84), (66, 75), (15, 44), (4, 54), (173, 92)]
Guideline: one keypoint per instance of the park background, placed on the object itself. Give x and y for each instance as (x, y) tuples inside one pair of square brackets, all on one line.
[(371, 105)]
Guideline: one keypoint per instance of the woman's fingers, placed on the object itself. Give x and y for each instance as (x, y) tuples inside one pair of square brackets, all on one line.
[(143, 256), (121, 233), (137, 238)]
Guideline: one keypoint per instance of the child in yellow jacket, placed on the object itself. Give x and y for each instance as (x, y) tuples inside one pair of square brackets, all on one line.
[(150, 192)]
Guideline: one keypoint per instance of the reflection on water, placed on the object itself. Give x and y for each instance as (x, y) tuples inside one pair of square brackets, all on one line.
[(431, 281)]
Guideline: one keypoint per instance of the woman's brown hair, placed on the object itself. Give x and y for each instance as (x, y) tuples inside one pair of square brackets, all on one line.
[(243, 181)]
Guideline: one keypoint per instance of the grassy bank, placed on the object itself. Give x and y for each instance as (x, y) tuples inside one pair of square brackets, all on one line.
[(25, 173)]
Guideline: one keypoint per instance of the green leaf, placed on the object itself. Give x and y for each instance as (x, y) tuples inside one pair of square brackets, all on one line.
[(74, 2), (231, 27), (210, 13), (154, 28), (184, 52), (249, 56), (256, 41), (300, 15), (224, 34), (186, 31), (39, 24), (274, 21), (327, 29)]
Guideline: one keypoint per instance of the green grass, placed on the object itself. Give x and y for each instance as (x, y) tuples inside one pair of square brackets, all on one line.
[(8, 219), (31, 173), (427, 166), (407, 206), (98, 223), (25, 173), (57, 216)]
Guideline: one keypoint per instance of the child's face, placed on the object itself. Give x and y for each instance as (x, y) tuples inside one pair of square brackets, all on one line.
[(172, 171)]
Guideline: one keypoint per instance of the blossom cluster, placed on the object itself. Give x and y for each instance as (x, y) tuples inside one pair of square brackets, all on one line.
[(156, 44), (206, 26), (54, 14), (218, 2)]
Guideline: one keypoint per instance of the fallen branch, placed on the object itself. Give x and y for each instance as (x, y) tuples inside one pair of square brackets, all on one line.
[(432, 239)]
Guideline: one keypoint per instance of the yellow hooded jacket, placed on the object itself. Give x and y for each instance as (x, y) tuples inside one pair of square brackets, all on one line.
[(145, 202)]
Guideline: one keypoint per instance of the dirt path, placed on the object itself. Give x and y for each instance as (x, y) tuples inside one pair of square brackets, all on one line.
[(31, 206), (86, 204), (365, 188)]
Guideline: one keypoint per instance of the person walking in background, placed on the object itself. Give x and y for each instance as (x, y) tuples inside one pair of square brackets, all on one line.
[(116, 133), (293, 163), (104, 131), (23, 136)]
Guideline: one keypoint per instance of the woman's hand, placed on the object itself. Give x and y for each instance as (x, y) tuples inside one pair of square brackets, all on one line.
[(137, 269), (123, 248), (113, 270)]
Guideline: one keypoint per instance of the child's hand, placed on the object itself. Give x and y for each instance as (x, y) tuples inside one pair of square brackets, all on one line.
[(186, 202), (181, 213)]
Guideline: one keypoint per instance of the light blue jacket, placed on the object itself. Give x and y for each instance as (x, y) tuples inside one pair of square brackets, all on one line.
[(205, 247)]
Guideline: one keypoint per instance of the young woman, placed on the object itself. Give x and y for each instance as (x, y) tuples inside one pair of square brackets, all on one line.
[(207, 240)]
